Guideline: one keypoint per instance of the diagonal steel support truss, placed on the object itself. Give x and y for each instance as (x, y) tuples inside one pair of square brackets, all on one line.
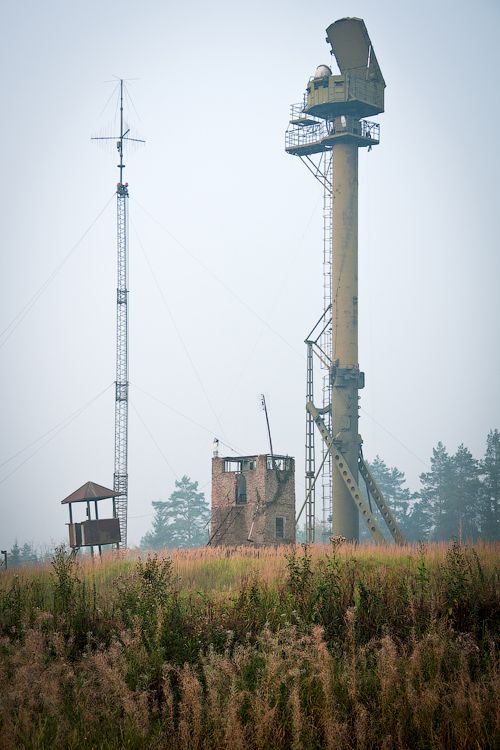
[(120, 476), (353, 487), (375, 492)]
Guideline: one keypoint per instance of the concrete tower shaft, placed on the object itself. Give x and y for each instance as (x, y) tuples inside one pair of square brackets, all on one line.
[(345, 375), (345, 254)]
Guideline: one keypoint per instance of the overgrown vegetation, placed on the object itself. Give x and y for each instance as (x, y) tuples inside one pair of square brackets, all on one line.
[(232, 648)]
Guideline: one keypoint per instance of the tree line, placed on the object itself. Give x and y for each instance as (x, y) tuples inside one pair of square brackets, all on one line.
[(26, 554), (458, 497)]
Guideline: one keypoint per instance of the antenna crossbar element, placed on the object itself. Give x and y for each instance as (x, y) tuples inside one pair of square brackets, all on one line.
[(124, 136), (346, 475)]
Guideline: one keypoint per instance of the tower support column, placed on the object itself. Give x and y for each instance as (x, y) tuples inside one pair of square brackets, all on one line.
[(345, 375)]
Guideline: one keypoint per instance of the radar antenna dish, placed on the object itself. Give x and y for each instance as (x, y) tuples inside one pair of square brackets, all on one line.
[(353, 49)]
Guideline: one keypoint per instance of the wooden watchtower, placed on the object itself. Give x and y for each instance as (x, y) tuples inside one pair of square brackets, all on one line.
[(92, 532)]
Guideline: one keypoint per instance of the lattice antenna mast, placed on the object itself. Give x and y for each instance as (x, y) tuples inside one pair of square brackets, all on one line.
[(120, 475)]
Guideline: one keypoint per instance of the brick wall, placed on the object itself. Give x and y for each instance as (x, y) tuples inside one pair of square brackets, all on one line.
[(232, 523)]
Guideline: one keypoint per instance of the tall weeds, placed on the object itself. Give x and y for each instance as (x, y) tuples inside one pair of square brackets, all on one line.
[(338, 648)]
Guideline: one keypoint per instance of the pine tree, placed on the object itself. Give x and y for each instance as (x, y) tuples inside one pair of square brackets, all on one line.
[(391, 482), (180, 521), (436, 491), (465, 495), (14, 556), (450, 493), (419, 523), (489, 504), (28, 554)]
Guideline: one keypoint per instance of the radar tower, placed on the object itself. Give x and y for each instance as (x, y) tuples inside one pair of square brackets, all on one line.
[(326, 131)]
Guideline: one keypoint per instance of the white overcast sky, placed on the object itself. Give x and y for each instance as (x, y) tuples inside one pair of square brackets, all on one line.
[(226, 232)]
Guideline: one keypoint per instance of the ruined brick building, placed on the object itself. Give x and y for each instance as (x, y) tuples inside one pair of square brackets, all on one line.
[(253, 500)]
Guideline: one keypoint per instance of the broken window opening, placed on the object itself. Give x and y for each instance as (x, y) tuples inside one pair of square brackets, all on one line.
[(282, 464), (237, 465), (241, 489), (280, 527)]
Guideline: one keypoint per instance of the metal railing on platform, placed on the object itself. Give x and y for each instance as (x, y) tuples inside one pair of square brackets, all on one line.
[(315, 135)]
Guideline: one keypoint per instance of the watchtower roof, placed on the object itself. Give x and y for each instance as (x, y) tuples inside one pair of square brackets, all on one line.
[(89, 491)]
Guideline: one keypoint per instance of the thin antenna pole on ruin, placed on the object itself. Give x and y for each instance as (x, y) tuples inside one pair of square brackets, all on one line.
[(120, 475), (264, 406)]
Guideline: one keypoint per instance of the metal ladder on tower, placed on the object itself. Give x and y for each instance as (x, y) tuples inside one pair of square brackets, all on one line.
[(326, 345), (310, 453)]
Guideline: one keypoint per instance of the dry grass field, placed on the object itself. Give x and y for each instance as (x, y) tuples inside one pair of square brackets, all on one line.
[(322, 647)]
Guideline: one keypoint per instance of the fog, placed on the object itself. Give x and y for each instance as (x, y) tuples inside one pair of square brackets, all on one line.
[(226, 241)]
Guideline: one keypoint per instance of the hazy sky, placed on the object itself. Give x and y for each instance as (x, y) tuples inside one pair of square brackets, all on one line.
[(226, 232)]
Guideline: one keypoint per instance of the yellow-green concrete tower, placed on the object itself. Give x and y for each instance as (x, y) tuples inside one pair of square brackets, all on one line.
[(329, 124)]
